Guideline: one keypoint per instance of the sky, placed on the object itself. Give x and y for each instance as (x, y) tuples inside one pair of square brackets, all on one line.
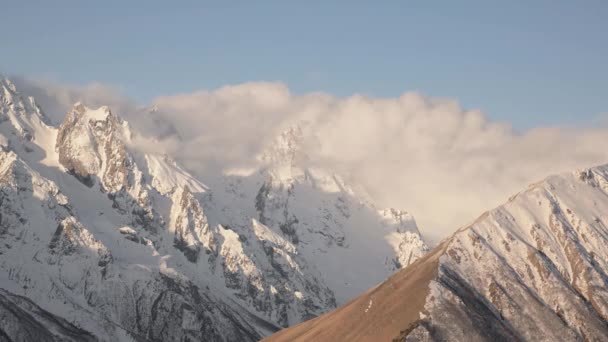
[(441, 108), (526, 63)]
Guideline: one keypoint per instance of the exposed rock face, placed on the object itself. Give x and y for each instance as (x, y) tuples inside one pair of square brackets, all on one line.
[(533, 269), (192, 232), (128, 246), (91, 146), (405, 239)]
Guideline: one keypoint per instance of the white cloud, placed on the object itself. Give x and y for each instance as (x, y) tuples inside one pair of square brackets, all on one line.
[(444, 164)]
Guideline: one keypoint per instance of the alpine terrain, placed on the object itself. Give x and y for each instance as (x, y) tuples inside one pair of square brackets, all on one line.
[(533, 269), (102, 242)]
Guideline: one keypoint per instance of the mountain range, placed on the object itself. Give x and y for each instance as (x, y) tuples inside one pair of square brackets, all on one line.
[(101, 241)]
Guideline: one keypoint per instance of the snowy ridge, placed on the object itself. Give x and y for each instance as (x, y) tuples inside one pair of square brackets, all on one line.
[(167, 175), (548, 247), (133, 247)]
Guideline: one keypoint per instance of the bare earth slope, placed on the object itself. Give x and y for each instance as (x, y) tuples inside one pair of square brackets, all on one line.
[(533, 269), (378, 314)]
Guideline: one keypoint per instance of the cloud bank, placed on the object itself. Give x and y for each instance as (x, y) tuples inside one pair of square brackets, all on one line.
[(444, 164)]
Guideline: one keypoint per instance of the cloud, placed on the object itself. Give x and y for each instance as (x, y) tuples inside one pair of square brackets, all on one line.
[(444, 164)]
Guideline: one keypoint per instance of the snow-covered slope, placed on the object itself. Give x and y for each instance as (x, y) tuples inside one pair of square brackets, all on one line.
[(126, 245), (533, 269)]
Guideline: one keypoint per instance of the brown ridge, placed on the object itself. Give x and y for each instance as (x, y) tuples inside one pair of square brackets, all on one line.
[(380, 314)]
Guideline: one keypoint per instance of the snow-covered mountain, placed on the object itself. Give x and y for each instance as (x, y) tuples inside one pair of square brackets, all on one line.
[(338, 231), (533, 269), (102, 241)]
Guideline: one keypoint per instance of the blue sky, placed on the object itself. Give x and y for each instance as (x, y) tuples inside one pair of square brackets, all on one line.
[(531, 63)]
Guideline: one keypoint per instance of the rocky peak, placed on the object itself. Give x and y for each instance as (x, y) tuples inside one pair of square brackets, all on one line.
[(11, 98), (405, 238), (90, 145), (80, 112), (99, 122), (286, 149), (22, 112), (191, 229), (400, 219), (8, 88), (8, 92)]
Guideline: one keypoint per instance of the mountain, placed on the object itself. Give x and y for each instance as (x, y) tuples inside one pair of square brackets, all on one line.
[(102, 241), (317, 212), (533, 269)]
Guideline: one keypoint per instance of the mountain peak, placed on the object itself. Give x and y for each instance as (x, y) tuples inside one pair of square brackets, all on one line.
[(286, 148), (100, 114), (21, 111), (90, 144), (7, 85)]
